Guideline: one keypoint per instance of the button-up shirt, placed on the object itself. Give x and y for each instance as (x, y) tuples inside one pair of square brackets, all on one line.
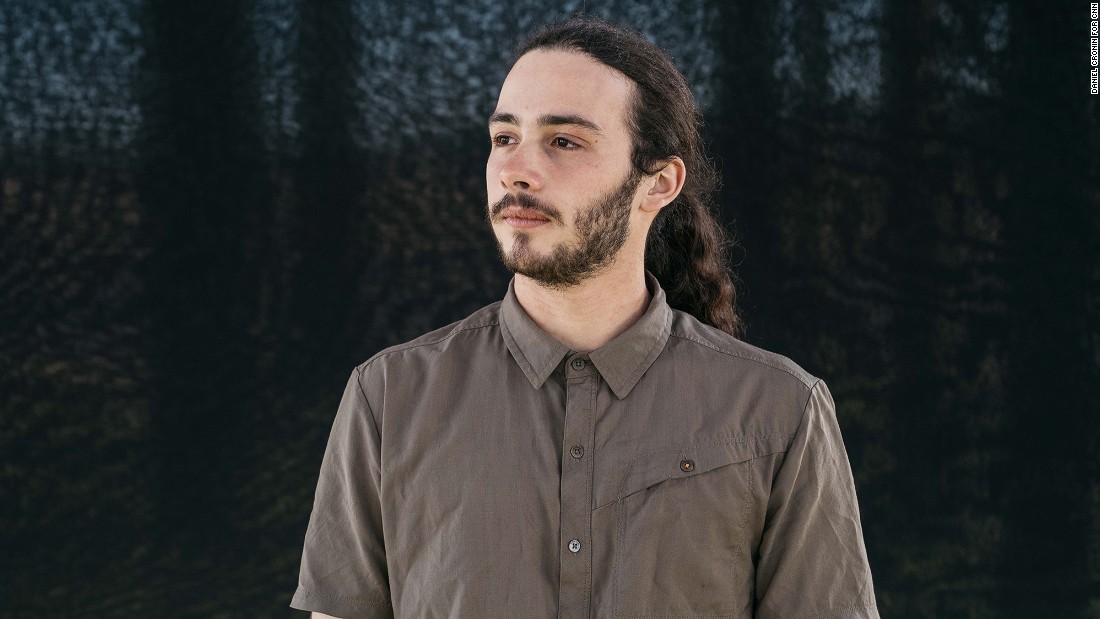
[(485, 470)]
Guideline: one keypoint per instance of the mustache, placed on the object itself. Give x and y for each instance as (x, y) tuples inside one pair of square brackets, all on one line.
[(526, 201)]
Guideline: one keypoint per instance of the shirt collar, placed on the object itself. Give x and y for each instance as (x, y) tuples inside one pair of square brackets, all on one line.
[(621, 362)]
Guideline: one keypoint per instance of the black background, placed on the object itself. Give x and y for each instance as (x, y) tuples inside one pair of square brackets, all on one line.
[(211, 210)]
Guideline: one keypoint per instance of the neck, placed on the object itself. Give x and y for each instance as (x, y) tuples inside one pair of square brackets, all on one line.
[(589, 314)]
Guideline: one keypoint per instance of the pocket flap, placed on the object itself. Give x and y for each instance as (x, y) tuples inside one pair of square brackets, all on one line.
[(654, 467)]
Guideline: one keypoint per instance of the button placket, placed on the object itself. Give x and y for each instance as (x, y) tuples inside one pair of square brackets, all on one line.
[(574, 594)]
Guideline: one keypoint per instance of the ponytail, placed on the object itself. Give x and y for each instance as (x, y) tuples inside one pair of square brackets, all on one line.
[(687, 251)]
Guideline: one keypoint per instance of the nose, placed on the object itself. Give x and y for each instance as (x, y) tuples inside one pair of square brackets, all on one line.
[(520, 171)]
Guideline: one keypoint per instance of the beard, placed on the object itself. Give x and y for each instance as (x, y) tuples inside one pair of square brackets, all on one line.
[(601, 230)]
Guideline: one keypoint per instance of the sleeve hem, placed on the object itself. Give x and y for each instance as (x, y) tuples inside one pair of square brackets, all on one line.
[(343, 607)]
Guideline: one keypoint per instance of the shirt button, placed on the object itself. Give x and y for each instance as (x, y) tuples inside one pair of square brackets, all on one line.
[(578, 364), (576, 451), (575, 546), (687, 466)]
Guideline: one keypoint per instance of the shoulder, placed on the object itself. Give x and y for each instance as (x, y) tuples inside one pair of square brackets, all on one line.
[(459, 337), (724, 356), (773, 394)]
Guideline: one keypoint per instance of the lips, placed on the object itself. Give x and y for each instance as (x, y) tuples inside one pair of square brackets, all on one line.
[(522, 218), (522, 214)]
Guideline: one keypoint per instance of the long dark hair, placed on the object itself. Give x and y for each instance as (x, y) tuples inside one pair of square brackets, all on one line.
[(687, 248)]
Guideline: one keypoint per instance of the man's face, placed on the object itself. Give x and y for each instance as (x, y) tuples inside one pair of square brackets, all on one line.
[(560, 183)]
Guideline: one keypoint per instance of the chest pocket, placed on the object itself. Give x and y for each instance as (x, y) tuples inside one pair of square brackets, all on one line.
[(681, 546)]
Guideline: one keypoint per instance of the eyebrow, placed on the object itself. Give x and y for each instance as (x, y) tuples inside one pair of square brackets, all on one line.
[(549, 120)]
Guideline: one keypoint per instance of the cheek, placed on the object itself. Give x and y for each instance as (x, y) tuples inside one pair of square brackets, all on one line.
[(492, 178)]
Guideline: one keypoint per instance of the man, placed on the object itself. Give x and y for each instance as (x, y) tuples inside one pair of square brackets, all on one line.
[(598, 444)]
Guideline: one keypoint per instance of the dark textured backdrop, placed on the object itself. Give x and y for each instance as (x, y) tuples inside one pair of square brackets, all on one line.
[(211, 210)]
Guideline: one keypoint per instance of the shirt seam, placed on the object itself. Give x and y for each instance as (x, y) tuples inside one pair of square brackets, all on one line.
[(359, 384), (729, 615), (354, 601), (410, 345), (801, 422), (763, 362), (806, 406), (375, 426), (831, 614), (750, 438)]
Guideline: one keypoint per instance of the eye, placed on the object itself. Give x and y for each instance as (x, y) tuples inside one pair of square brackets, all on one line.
[(502, 140), (565, 143)]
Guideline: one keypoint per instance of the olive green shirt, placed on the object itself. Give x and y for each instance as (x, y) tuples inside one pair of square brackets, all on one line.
[(485, 470)]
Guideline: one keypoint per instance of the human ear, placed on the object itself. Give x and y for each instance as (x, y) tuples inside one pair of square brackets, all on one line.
[(664, 185)]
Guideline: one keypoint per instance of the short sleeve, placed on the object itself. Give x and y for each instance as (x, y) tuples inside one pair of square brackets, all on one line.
[(343, 571), (812, 559)]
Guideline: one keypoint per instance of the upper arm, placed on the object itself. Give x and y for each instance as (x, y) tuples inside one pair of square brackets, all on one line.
[(812, 558), (344, 568)]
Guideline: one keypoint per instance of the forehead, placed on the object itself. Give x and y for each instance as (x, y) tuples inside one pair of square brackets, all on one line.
[(566, 83)]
